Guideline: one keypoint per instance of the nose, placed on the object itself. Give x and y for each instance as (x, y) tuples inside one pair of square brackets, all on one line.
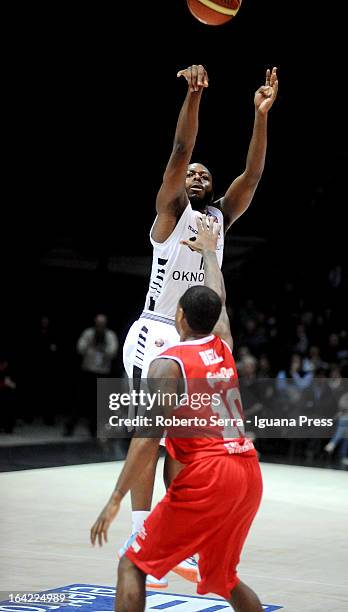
[(196, 176)]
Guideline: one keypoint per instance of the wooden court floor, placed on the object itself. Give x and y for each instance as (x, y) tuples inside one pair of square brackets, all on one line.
[(296, 555)]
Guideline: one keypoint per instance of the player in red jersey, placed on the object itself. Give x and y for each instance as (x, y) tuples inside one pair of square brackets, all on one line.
[(209, 507)]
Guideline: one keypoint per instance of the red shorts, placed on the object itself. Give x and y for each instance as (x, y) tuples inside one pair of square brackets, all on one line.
[(208, 509)]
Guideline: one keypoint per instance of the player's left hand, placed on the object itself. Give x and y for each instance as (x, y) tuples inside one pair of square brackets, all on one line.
[(102, 524), (207, 237), (265, 95)]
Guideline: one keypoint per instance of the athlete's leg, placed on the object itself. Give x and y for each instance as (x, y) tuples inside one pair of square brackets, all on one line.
[(243, 599), (130, 596), (142, 492)]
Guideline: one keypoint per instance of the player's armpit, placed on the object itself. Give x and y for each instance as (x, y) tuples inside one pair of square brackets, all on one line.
[(238, 198)]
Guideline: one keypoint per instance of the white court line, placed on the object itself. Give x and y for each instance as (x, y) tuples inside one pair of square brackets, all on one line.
[(57, 554)]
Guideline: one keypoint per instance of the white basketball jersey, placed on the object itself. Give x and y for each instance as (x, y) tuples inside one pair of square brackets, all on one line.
[(175, 267)]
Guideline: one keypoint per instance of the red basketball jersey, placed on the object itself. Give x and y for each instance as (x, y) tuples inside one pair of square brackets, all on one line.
[(209, 370)]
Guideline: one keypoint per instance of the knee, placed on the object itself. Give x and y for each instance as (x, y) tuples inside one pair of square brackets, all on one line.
[(125, 568)]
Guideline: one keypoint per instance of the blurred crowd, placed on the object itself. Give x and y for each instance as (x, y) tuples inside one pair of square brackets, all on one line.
[(293, 356)]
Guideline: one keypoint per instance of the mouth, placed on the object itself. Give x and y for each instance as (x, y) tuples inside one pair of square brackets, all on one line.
[(196, 188)]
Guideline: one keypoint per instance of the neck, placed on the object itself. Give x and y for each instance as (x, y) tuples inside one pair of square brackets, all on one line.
[(191, 336), (203, 208)]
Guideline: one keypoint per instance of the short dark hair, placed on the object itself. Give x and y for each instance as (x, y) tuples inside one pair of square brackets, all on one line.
[(202, 308)]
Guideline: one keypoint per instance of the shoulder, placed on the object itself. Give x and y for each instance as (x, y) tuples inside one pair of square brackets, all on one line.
[(88, 332), (111, 334), (164, 366)]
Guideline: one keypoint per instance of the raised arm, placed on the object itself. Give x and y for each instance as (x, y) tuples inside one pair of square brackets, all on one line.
[(205, 244), (172, 198), (241, 192)]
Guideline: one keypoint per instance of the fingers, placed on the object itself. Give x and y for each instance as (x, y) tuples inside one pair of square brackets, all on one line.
[(94, 533), (202, 79), (196, 77), (268, 77), (216, 228), (199, 223), (99, 531), (190, 243), (188, 75), (208, 224), (275, 89), (273, 76), (266, 91)]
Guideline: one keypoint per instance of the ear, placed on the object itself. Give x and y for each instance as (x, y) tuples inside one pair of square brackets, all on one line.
[(180, 314)]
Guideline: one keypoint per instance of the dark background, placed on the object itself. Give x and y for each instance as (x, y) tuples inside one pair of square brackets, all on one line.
[(93, 103)]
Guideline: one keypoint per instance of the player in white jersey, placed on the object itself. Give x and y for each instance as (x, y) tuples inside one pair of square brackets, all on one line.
[(186, 192)]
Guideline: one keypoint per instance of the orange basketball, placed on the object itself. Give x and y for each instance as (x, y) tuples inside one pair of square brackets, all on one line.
[(214, 12)]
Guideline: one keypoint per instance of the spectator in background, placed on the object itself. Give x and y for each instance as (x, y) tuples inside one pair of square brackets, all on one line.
[(336, 382), (98, 347), (319, 398), (320, 330), (248, 311), (242, 352), (314, 361), (335, 278), (47, 390), (341, 434), (251, 389), (254, 337), (292, 382), (264, 369), (301, 343), (333, 348), (7, 397)]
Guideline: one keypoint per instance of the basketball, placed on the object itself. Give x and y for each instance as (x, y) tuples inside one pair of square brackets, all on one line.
[(214, 12)]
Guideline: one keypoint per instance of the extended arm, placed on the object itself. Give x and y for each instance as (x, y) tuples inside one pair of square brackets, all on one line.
[(241, 192), (172, 197), (141, 450), (205, 244)]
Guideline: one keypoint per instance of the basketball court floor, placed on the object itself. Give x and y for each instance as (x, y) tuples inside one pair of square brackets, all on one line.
[(296, 557)]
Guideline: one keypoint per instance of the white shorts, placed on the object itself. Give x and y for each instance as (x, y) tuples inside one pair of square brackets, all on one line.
[(149, 336)]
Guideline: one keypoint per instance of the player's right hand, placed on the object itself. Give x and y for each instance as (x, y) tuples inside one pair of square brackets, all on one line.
[(196, 77), (102, 524), (207, 237)]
